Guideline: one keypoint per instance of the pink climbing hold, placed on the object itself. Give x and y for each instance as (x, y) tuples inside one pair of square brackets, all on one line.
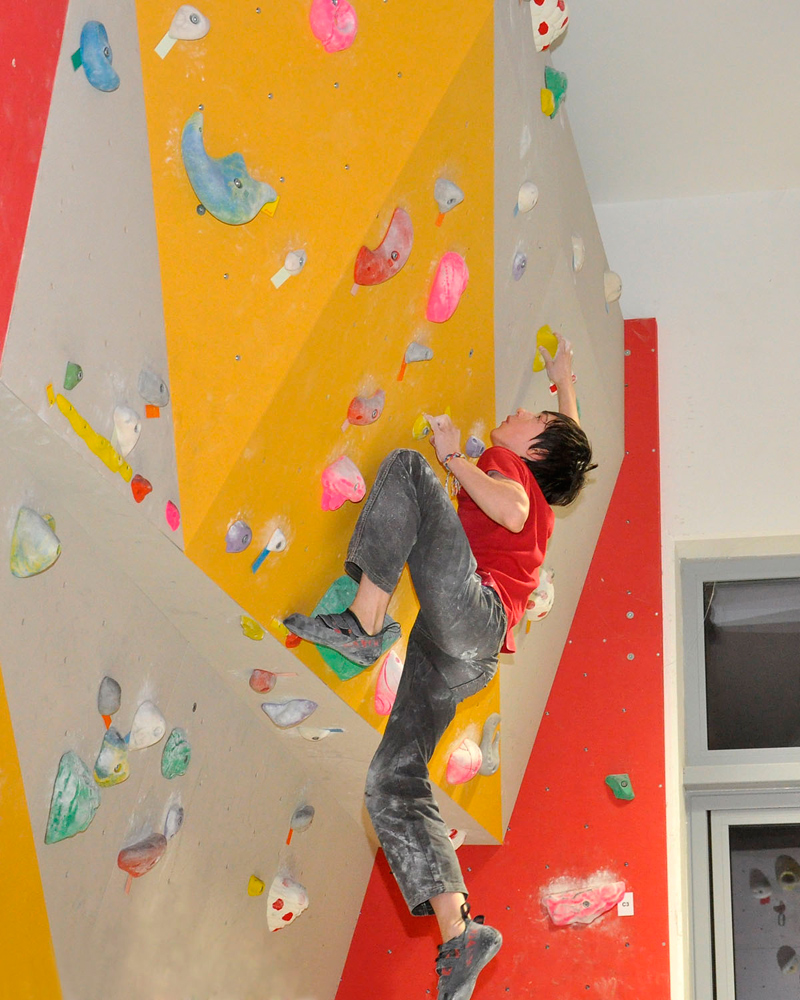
[(464, 762), (334, 23), (342, 481), (582, 906), (173, 516), (448, 286), (388, 679), (263, 681)]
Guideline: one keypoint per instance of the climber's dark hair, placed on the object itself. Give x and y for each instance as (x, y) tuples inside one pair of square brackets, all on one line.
[(561, 456)]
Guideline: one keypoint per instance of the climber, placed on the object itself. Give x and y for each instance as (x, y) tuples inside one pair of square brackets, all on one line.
[(472, 571)]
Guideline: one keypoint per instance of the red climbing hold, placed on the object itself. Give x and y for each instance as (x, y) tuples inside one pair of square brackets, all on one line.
[(140, 487)]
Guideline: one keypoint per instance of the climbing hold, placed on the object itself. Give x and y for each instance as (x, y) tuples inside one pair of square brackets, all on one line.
[(341, 481), (620, 785), (578, 253), (139, 858), (421, 427), (127, 428), (277, 543), (540, 603), (255, 886), (787, 959), (286, 901), (518, 265), (457, 838), (554, 91), (223, 185), (251, 628), (549, 20), (527, 197), (547, 339), (97, 444), (464, 762), (315, 735), (582, 906), (112, 766), (147, 728), (375, 266), (337, 598), (612, 286), (238, 537), (447, 195), (417, 352), (301, 820), (760, 886), (363, 410), (414, 352), (334, 23), (95, 56), (787, 871), (72, 375), (173, 515), (448, 286), (389, 676), (75, 799), (174, 820), (109, 696), (140, 487), (474, 447), (34, 543), (490, 745), (287, 714), (293, 263), (188, 25), (176, 754), (152, 388), (263, 681)]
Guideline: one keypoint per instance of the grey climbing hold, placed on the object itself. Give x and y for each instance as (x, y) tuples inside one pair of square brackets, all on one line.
[(109, 696), (519, 264), (152, 388), (238, 537), (291, 713), (474, 446), (490, 745)]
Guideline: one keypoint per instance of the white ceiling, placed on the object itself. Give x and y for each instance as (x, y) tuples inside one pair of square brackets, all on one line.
[(676, 98)]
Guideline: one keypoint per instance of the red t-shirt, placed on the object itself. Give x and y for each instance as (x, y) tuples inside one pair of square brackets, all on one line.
[(508, 562)]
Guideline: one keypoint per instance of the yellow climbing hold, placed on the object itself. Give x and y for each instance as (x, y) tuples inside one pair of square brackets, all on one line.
[(94, 442), (271, 207), (278, 629), (51, 396), (547, 339), (251, 628), (255, 886), (548, 102)]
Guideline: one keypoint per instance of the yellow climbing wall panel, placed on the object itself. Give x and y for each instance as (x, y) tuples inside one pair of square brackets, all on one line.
[(27, 959), (261, 377)]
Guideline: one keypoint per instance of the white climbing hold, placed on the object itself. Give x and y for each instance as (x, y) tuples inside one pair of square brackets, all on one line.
[(147, 728)]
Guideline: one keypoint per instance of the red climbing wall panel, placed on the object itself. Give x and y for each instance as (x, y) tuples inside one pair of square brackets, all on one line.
[(604, 716), (31, 41)]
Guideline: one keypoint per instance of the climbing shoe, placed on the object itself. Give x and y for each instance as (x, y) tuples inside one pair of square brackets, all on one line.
[(344, 633), (461, 958)]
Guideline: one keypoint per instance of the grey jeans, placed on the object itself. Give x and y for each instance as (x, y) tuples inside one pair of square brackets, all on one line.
[(452, 654)]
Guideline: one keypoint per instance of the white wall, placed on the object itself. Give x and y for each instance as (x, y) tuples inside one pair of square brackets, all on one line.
[(721, 277)]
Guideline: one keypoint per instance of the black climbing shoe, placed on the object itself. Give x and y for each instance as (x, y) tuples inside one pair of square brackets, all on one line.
[(461, 958), (343, 632)]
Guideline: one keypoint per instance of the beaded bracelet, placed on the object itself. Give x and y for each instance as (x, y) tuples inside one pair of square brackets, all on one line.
[(451, 483)]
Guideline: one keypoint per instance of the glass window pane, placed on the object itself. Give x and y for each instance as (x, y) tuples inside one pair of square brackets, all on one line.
[(765, 904), (752, 663)]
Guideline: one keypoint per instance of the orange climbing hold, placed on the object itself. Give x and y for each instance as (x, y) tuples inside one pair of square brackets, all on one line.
[(140, 487)]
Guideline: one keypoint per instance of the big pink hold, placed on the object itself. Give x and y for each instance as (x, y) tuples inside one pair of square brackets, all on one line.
[(448, 286), (334, 23), (582, 906)]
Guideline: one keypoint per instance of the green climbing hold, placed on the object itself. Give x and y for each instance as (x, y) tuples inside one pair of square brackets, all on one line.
[(72, 375), (620, 785), (337, 598), (556, 83), (34, 544), (75, 799), (176, 754)]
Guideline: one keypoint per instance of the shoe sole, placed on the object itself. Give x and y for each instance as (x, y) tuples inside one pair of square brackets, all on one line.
[(466, 989), (364, 652)]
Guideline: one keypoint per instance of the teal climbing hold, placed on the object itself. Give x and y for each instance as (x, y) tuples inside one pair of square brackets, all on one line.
[(556, 83), (176, 754), (75, 800), (337, 598), (620, 785)]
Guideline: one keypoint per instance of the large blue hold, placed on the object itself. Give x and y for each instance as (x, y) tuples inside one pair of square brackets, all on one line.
[(223, 186), (96, 57)]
